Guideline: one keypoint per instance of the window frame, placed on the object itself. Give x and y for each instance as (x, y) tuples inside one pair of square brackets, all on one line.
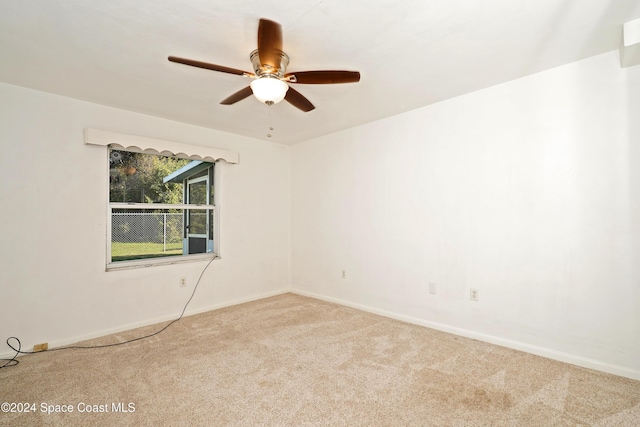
[(142, 144), (211, 209)]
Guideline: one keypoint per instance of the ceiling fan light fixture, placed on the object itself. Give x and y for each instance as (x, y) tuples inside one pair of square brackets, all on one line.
[(269, 89)]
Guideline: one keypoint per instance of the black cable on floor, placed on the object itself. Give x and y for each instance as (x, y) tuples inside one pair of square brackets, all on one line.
[(13, 361)]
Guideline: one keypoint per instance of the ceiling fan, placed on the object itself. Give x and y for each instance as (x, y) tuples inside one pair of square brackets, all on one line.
[(270, 82)]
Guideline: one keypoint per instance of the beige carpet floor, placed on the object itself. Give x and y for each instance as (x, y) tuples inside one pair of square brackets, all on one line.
[(296, 361)]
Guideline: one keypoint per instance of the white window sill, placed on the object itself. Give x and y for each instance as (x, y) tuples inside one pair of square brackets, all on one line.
[(153, 262)]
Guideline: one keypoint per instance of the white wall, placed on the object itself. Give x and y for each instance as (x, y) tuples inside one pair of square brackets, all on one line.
[(528, 191), (54, 287)]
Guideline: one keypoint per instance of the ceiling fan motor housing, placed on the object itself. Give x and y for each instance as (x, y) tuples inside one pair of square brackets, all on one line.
[(265, 70)]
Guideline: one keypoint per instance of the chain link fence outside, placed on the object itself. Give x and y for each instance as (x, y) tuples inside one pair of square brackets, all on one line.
[(146, 234)]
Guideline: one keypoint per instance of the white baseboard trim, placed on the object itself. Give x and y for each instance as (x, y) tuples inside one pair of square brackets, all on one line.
[(516, 345), (73, 340)]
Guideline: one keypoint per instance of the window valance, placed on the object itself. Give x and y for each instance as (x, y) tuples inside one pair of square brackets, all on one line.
[(157, 146)]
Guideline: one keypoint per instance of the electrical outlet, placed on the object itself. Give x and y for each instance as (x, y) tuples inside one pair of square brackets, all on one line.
[(473, 294), (41, 347), (183, 282), (344, 274), (433, 289)]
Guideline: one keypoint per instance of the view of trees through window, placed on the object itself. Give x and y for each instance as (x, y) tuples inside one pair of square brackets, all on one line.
[(137, 178), (140, 230)]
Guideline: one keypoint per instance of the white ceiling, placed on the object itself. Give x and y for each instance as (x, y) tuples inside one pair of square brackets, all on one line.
[(410, 53)]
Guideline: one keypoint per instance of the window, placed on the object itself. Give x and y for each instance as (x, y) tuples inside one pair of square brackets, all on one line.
[(176, 207), (161, 209)]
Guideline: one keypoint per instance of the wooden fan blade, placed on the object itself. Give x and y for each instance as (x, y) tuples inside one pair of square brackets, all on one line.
[(238, 96), (269, 43), (296, 99), (209, 66), (323, 77)]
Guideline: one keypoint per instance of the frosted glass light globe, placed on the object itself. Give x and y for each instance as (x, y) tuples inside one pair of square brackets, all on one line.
[(269, 89)]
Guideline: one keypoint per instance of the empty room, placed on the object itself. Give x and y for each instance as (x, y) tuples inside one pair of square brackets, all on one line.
[(321, 212)]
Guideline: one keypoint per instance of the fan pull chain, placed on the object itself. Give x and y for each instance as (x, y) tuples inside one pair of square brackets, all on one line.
[(269, 104)]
